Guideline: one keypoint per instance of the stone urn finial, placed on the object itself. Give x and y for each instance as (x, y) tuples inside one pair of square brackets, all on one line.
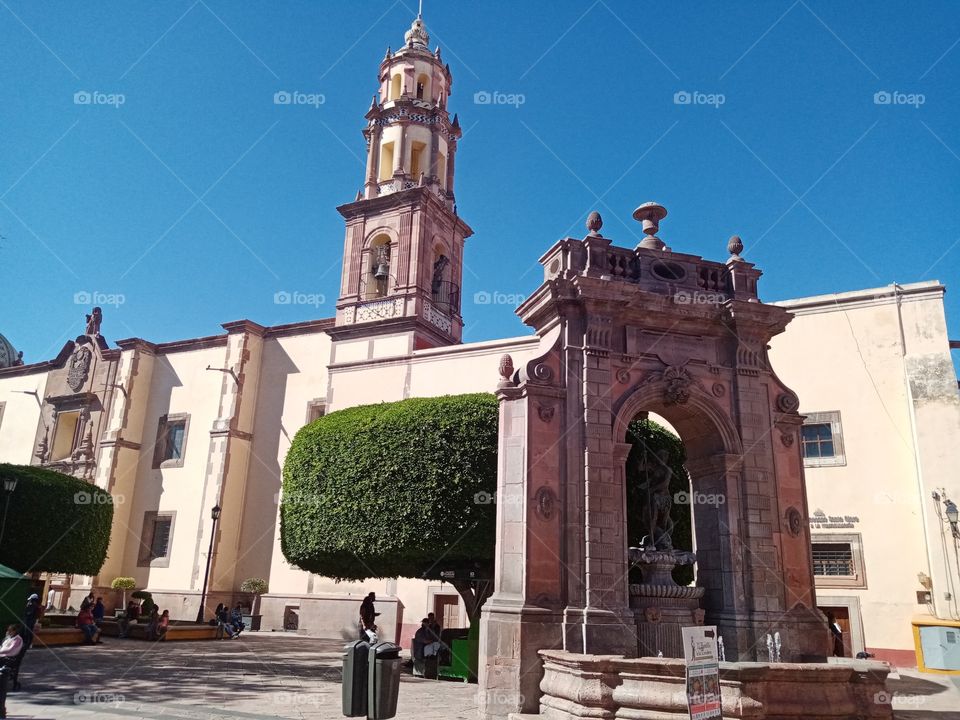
[(735, 247), (594, 223), (506, 371), (649, 215)]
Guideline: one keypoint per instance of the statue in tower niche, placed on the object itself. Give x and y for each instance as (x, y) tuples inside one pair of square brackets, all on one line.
[(93, 322), (656, 471)]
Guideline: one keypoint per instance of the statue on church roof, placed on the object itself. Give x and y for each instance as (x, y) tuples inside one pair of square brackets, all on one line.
[(93, 322)]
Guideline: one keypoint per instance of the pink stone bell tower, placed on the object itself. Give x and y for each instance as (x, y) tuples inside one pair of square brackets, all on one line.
[(403, 251)]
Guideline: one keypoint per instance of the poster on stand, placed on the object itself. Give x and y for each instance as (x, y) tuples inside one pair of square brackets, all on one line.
[(703, 671)]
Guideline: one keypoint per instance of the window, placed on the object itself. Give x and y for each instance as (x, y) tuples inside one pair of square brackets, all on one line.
[(416, 159), (386, 161), (156, 539), (423, 87), (65, 435), (171, 441), (838, 560), (316, 409), (396, 87), (822, 438)]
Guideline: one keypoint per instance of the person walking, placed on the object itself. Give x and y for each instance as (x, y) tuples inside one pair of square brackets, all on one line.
[(368, 616)]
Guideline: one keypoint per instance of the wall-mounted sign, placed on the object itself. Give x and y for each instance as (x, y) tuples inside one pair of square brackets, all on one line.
[(821, 521)]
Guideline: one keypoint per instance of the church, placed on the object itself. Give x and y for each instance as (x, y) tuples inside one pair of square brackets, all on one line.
[(173, 430)]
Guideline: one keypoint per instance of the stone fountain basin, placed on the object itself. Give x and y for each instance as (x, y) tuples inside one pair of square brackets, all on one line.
[(612, 686)]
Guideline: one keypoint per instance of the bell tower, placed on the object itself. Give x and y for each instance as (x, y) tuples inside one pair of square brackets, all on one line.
[(403, 250)]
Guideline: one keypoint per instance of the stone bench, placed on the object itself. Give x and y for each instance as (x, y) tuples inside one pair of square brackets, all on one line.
[(53, 636), (175, 631)]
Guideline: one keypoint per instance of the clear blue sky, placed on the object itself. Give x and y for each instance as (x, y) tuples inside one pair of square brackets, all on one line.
[(198, 198)]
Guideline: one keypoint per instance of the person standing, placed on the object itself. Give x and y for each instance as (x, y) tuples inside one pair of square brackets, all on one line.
[(31, 616), (51, 596), (836, 634)]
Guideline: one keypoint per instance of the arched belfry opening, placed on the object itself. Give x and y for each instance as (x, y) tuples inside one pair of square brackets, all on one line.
[(627, 335)]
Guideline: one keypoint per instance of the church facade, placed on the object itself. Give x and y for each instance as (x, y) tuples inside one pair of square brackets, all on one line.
[(174, 429)]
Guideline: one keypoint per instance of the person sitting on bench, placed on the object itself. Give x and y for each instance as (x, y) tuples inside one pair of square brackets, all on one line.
[(85, 622), (11, 653)]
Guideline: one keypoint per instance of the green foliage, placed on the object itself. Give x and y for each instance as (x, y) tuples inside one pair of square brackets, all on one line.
[(255, 586), (123, 583), (388, 490), (55, 523), (647, 436), (147, 605)]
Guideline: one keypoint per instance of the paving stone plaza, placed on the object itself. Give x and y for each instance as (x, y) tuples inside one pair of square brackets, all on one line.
[(279, 676)]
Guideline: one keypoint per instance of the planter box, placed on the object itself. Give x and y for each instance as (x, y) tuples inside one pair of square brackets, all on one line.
[(252, 621)]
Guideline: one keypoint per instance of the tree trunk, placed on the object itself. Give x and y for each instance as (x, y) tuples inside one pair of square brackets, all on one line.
[(474, 594)]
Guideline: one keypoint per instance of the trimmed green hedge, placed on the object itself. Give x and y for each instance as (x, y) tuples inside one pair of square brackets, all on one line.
[(55, 523), (388, 490)]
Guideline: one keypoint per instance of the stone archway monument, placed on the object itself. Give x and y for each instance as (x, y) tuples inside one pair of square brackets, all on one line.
[(627, 331)]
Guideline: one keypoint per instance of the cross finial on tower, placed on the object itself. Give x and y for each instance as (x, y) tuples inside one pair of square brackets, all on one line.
[(420, 9)]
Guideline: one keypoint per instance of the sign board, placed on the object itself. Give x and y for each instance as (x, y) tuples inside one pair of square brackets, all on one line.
[(703, 671)]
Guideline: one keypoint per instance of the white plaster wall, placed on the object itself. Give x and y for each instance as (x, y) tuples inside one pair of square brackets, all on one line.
[(180, 384), (21, 413), (848, 358)]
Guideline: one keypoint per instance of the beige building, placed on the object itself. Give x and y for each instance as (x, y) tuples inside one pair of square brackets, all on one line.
[(878, 387), (174, 429)]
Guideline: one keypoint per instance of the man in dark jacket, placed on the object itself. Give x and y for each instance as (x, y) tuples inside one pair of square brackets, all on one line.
[(31, 616), (368, 615)]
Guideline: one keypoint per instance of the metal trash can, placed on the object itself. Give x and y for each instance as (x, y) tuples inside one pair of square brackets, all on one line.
[(383, 685), (354, 686)]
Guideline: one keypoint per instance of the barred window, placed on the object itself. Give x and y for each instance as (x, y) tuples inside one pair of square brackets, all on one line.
[(838, 560)]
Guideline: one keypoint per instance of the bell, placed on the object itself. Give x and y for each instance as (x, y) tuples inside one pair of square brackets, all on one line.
[(382, 271)]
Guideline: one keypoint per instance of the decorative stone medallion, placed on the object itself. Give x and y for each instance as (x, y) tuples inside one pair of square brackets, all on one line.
[(79, 368), (794, 521), (545, 501), (787, 439), (718, 389), (652, 614), (623, 376)]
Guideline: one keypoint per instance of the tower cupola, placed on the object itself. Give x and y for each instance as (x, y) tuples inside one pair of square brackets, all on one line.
[(403, 254)]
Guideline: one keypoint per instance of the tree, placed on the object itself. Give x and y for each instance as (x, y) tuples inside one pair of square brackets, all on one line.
[(402, 489), (124, 584), (55, 523), (256, 587), (648, 437)]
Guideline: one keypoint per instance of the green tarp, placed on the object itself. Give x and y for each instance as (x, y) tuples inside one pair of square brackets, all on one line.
[(14, 589)]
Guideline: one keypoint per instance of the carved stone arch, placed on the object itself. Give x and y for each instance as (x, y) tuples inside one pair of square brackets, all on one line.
[(649, 397), (377, 232)]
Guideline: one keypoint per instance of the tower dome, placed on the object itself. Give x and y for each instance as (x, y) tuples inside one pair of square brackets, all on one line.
[(8, 354)]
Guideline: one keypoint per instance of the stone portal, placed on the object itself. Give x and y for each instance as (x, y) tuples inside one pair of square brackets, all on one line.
[(622, 332)]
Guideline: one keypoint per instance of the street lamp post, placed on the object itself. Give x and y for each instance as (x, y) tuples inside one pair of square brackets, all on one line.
[(953, 516), (9, 485), (215, 515)]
